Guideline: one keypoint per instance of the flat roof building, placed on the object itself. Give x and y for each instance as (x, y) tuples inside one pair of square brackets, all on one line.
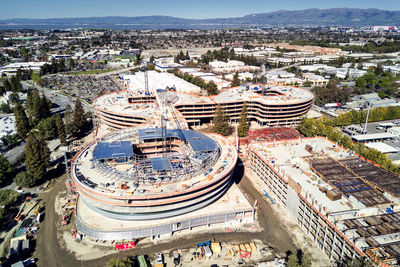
[(349, 206)]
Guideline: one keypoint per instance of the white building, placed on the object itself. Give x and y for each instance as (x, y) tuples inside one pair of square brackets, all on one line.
[(166, 63), (394, 131), (316, 80), (230, 66), (12, 68)]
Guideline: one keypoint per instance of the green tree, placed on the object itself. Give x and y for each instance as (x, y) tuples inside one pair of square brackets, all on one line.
[(45, 106), (36, 106), (6, 169), (69, 120), (60, 130), (21, 121), (48, 128), (243, 127), (37, 156), (120, 262), (4, 107), (221, 122), (212, 88), (23, 179), (8, 197), (10, 140), (235, 80), (379, 70), (293, 261), (79, 116)]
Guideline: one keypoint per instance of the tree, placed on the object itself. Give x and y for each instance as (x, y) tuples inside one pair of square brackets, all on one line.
[(69, 119), (212, 88), (21, 121), (37, 156), (23, 179), (6, 169), (48, 128), (293, 261), (44, 107), (235, 80), (243, 127), (221, 122), (151, 59), (118, 262), (379, 70), (79, 116), (4, 107), (60, 130), (36, 106), (8, 197), (10, 140)]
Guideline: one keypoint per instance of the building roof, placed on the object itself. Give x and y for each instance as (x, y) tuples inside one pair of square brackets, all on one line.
[(105, 150), (370, 137), (382, 147)]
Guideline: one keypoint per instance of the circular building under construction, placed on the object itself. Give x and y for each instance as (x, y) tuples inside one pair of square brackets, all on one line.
[(142, 182)]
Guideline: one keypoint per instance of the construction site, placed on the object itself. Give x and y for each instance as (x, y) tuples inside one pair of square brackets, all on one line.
[(347, 205), (146, 182)]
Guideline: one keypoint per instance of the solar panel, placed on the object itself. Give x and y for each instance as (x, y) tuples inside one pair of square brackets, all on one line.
[(200, 142), (161, 164), (107, 150)]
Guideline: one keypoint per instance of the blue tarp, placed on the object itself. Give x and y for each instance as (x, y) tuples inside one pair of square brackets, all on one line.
[(114, 150), (161, 164)]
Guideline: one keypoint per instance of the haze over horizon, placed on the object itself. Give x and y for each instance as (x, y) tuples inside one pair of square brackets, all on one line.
[(176, 8)]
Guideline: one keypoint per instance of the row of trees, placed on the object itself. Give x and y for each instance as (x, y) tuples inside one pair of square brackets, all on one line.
[(225, 54), (222, 126), (55, 67), (325, 127), (210, 87), (357, 117), (12, 84), (181, 56)]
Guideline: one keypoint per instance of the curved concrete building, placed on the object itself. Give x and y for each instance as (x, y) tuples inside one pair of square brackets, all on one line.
[(140, 175), (273, 106)]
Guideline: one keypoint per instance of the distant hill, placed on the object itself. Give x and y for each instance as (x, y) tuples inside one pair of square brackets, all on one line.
[(307, 17)]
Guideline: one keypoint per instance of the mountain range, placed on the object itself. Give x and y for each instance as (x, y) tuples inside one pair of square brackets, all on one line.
[(307, 17)]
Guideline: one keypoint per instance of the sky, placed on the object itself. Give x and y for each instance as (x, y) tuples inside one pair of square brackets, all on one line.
[(196, 9)]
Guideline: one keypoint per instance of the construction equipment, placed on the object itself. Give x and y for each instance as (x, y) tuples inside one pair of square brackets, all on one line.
[(36, 212), (206, 243), (65, 218), (19, 215)]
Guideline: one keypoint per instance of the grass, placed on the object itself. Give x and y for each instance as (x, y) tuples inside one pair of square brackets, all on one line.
[(89, 72)]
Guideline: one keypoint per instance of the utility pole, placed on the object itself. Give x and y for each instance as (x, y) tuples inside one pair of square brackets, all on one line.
[(366, 122)]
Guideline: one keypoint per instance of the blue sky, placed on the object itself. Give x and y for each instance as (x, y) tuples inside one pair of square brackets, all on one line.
[(176, 8)]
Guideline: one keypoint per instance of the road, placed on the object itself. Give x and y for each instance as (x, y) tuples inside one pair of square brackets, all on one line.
[(117, 71), (50, 253), (57, 98)]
